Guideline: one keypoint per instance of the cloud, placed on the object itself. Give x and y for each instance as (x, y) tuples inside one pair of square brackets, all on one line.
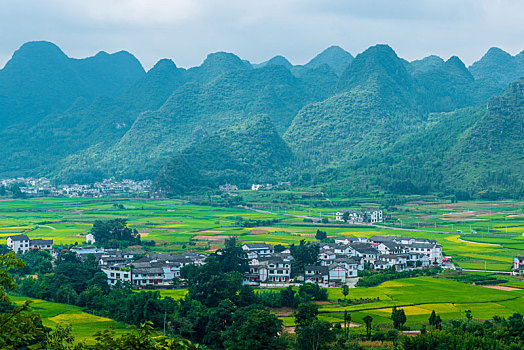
[(187, 30)]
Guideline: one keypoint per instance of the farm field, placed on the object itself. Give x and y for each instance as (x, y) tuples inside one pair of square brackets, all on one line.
[(84, 325), (176, 225), (419, 296)]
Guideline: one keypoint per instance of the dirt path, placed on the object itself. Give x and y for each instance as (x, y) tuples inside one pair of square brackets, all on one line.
[(51, 227), (505, 288), (493, 244)]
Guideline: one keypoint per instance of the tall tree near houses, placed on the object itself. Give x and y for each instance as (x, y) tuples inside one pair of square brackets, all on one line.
[(345, 291), (368, 321)]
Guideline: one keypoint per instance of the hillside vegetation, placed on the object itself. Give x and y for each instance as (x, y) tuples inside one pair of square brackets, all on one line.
[(351, 124)]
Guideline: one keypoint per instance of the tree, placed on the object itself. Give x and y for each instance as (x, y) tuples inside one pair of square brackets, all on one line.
[(19, 327), (402, 318), (433, 319), (399, 318), (255, 329), (345, 291), (347, 323), (311, 291), (114, 233), (345, 216), (438, 322), (304, 254), (306, 313), (468, 315), (368, 320), (314, 336), (17, 192), (232, 257), (321, 235), (287, 297)]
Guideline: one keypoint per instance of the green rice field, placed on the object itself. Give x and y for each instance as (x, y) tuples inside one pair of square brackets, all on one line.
[(176, 225), (84, 325)]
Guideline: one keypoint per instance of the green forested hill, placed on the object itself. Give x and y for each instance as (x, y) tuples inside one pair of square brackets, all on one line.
[(196, 109), (374, 121), (102, 122), (40, 79), (499, 67), (474, 151), (251, 151), (335, 57), (376, 105)]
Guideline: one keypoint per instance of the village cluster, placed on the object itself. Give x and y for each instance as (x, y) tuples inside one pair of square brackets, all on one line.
[(337, 264), (340, 261), (42, 187)]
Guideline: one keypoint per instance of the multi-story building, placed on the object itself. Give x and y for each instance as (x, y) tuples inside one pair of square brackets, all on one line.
[(18, 243), (45, 244), (256, 250), (274, 269)]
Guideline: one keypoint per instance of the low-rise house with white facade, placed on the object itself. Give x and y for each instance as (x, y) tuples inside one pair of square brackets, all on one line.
[(44, 244), (397, 261), (255, 250), (337, 274), (274, 270), (316, 274), (90, 238), (366, 252), (18, 243), (518, 265)]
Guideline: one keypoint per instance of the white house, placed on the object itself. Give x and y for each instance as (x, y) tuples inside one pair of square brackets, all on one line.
[(337, 273), (45, 244), (90, 238), (352, 265), (255, 250), (374, 215), (274, 270), (518, 265), (316, 274), (433, 250), (147, 277), (114, 275), (18, 243), (353, 215)]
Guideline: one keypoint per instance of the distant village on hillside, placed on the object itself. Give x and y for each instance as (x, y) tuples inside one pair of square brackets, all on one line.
[(42, 187)]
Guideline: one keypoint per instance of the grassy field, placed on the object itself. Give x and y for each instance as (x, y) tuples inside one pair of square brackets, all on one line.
[(176, 225), (419, 296), (84, 325)]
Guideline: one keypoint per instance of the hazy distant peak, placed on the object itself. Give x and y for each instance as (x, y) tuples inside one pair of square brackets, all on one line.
[(163, 64), (222, 58), (334, 56), (455, 61), (280, 61), (495, 52), (38, 50)]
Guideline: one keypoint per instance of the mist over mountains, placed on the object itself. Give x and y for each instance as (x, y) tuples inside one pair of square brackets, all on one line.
[(374, 122)]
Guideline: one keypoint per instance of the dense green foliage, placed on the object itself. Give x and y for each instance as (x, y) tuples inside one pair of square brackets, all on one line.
[(372, 278), (114, 233), (500, 334), (222, 157)]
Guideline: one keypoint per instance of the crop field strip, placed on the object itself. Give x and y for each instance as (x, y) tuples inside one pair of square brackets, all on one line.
[(84, 325), (174, 224)]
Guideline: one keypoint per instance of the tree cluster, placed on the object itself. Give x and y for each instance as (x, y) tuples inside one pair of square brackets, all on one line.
[(114, 233)]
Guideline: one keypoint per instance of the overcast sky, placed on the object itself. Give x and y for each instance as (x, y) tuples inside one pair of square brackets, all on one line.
[(187, 30)]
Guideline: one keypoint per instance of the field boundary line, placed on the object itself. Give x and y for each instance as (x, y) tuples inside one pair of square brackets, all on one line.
[(419, 304)]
